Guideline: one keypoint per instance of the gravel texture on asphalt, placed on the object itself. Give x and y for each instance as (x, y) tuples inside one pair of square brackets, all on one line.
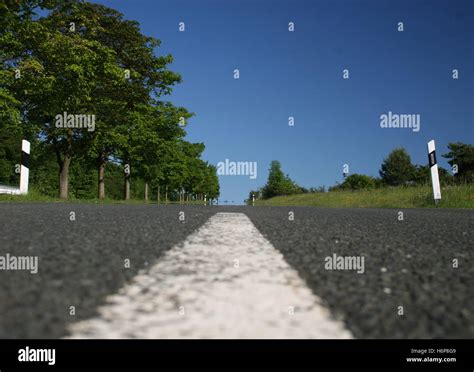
[(407, 263), (224, 281), (81, 261)]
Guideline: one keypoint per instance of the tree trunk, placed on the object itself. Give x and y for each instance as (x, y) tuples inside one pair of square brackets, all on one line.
[(64, 177), (127, 181), (146, 191), (101, 184), (63, 165), (158, 196), (127, 188), (166, 194)]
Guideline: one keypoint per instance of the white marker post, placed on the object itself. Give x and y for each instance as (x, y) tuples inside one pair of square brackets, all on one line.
[(25, 166), (253, 199), (434, 171), (205, 199), (24, 173)]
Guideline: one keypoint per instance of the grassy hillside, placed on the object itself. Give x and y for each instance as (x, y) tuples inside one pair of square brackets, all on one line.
[(389, 197)]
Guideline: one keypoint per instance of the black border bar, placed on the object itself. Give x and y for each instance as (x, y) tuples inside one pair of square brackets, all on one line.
[(289, 355)]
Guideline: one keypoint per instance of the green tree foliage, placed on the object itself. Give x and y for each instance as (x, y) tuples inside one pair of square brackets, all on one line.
[(397, 168), (278, 183), (84, 58), (358, 182), (462, 155), (15, 17), (422, 175), (212, 182)]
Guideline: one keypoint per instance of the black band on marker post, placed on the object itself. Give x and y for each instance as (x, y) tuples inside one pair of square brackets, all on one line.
[(25, 159), (432, 158)]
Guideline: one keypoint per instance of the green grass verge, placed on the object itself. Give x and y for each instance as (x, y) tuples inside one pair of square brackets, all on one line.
[(461, 196), (35, 196), (32, 196)]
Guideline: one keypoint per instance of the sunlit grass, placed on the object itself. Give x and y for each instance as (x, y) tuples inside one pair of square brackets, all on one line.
[(461, 196)]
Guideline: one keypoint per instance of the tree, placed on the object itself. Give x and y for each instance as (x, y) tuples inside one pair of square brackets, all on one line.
[(212, 182), (278, 183), (59, 72), (397, 168), (275, 181), (102, 66), (143, 143), (136, 77), (15, 20), (462, 156)]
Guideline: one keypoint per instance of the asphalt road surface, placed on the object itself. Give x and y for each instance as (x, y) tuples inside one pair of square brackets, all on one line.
[(126, 271)]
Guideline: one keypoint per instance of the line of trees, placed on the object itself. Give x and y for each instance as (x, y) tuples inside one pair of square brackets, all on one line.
[(86, 59), (396, 170)]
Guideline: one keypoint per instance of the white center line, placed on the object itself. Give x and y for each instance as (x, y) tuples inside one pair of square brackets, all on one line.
[(225, 280)]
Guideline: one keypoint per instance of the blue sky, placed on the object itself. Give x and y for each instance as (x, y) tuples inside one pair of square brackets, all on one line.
[(299, 74)]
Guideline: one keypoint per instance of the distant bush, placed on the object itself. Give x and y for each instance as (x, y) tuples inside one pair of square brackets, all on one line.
[(422, 176), (357, 182)]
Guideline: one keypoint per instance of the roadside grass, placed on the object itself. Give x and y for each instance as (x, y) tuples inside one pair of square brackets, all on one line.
[(460, 196), (34, 196)]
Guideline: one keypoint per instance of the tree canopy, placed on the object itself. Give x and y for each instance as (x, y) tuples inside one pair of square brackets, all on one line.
[(397, 168), (461, 158), (86, 63)]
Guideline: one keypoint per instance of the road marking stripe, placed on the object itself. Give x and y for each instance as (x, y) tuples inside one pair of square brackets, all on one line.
[(225, 280)]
